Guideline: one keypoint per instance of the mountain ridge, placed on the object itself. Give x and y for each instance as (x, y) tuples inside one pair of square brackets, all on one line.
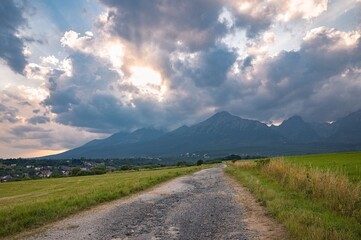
[(297, 130), (225, 133)]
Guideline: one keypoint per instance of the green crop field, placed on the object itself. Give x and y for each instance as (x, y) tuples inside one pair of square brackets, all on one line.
[(29, 204), (348, 164), (314, 196)]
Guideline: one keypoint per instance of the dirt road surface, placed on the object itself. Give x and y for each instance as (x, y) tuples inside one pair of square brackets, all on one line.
[(204, 205)]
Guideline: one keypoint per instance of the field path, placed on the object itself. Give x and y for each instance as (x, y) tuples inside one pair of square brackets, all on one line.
[(204, 205)]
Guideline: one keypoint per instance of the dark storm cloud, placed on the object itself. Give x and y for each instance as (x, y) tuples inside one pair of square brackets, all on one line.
[(247, 62), (152, 31), (11, 46), (170, 26), (209, 75), (321, 81), (88, 74), (182, 40), (210, 69), (91, 72), (38, 120), (62, 100), (85, 99), (196, 23), (167, 21), (102, 111)]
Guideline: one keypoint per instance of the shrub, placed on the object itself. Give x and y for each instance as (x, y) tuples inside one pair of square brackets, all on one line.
[(99, 169), (200, 162), (262, 162), (181, 163), (75, 171), (125, 168)]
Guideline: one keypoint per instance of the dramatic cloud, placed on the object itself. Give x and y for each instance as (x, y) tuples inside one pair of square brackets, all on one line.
[(307, 81), (152, 63), (202, 70), (165, 22), (11, 45), (74, 96), (166, 63)]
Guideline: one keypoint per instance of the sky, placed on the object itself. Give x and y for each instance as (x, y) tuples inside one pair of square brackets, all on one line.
[(73, 71)]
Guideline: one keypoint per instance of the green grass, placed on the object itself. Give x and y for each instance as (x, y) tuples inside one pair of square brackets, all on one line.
[(315, 196), (30, 204), (348, 164)]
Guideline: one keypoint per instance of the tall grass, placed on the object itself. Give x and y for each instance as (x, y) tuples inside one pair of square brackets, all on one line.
[(335, 190), (29, 204), (311, 203)]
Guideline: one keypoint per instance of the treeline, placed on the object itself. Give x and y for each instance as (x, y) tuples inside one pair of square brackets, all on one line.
[(26, 169)]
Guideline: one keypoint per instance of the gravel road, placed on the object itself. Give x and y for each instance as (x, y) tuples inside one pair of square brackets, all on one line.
[(197, 206)]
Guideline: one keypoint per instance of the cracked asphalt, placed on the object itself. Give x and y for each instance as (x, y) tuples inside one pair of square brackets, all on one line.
[(198, 206)]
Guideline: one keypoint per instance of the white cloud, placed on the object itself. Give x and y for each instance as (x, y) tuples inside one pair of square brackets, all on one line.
[(269, 37), (41, 72), (102, 45), (340, 40), (73, 40), (89, 34), (284, 11), (35, 95), (148, 81), (52, 60), (226, 18), (67, 66), (305, 9), (37, 72)]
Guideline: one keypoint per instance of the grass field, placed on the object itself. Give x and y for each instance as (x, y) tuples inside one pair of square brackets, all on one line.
[(29, 204), (348, 164), (315, 196)]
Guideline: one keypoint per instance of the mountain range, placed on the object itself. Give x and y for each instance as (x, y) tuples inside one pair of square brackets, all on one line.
[(223, 134)]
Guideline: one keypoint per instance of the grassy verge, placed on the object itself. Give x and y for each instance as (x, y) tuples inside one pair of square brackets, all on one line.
[(30, 204), (311, 203)]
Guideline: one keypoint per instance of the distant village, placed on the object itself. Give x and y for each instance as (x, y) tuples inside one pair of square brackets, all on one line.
[(26, 169), (11, 170)]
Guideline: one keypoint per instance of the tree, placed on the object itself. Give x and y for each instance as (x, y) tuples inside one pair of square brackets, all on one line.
[(99, 169), (200, 162), (84, 173), (75, 171), (56, 173), (125, 167), (181, 163), (232, 157)]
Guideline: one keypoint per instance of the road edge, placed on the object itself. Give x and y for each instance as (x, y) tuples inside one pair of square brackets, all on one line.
[(257, 218)]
